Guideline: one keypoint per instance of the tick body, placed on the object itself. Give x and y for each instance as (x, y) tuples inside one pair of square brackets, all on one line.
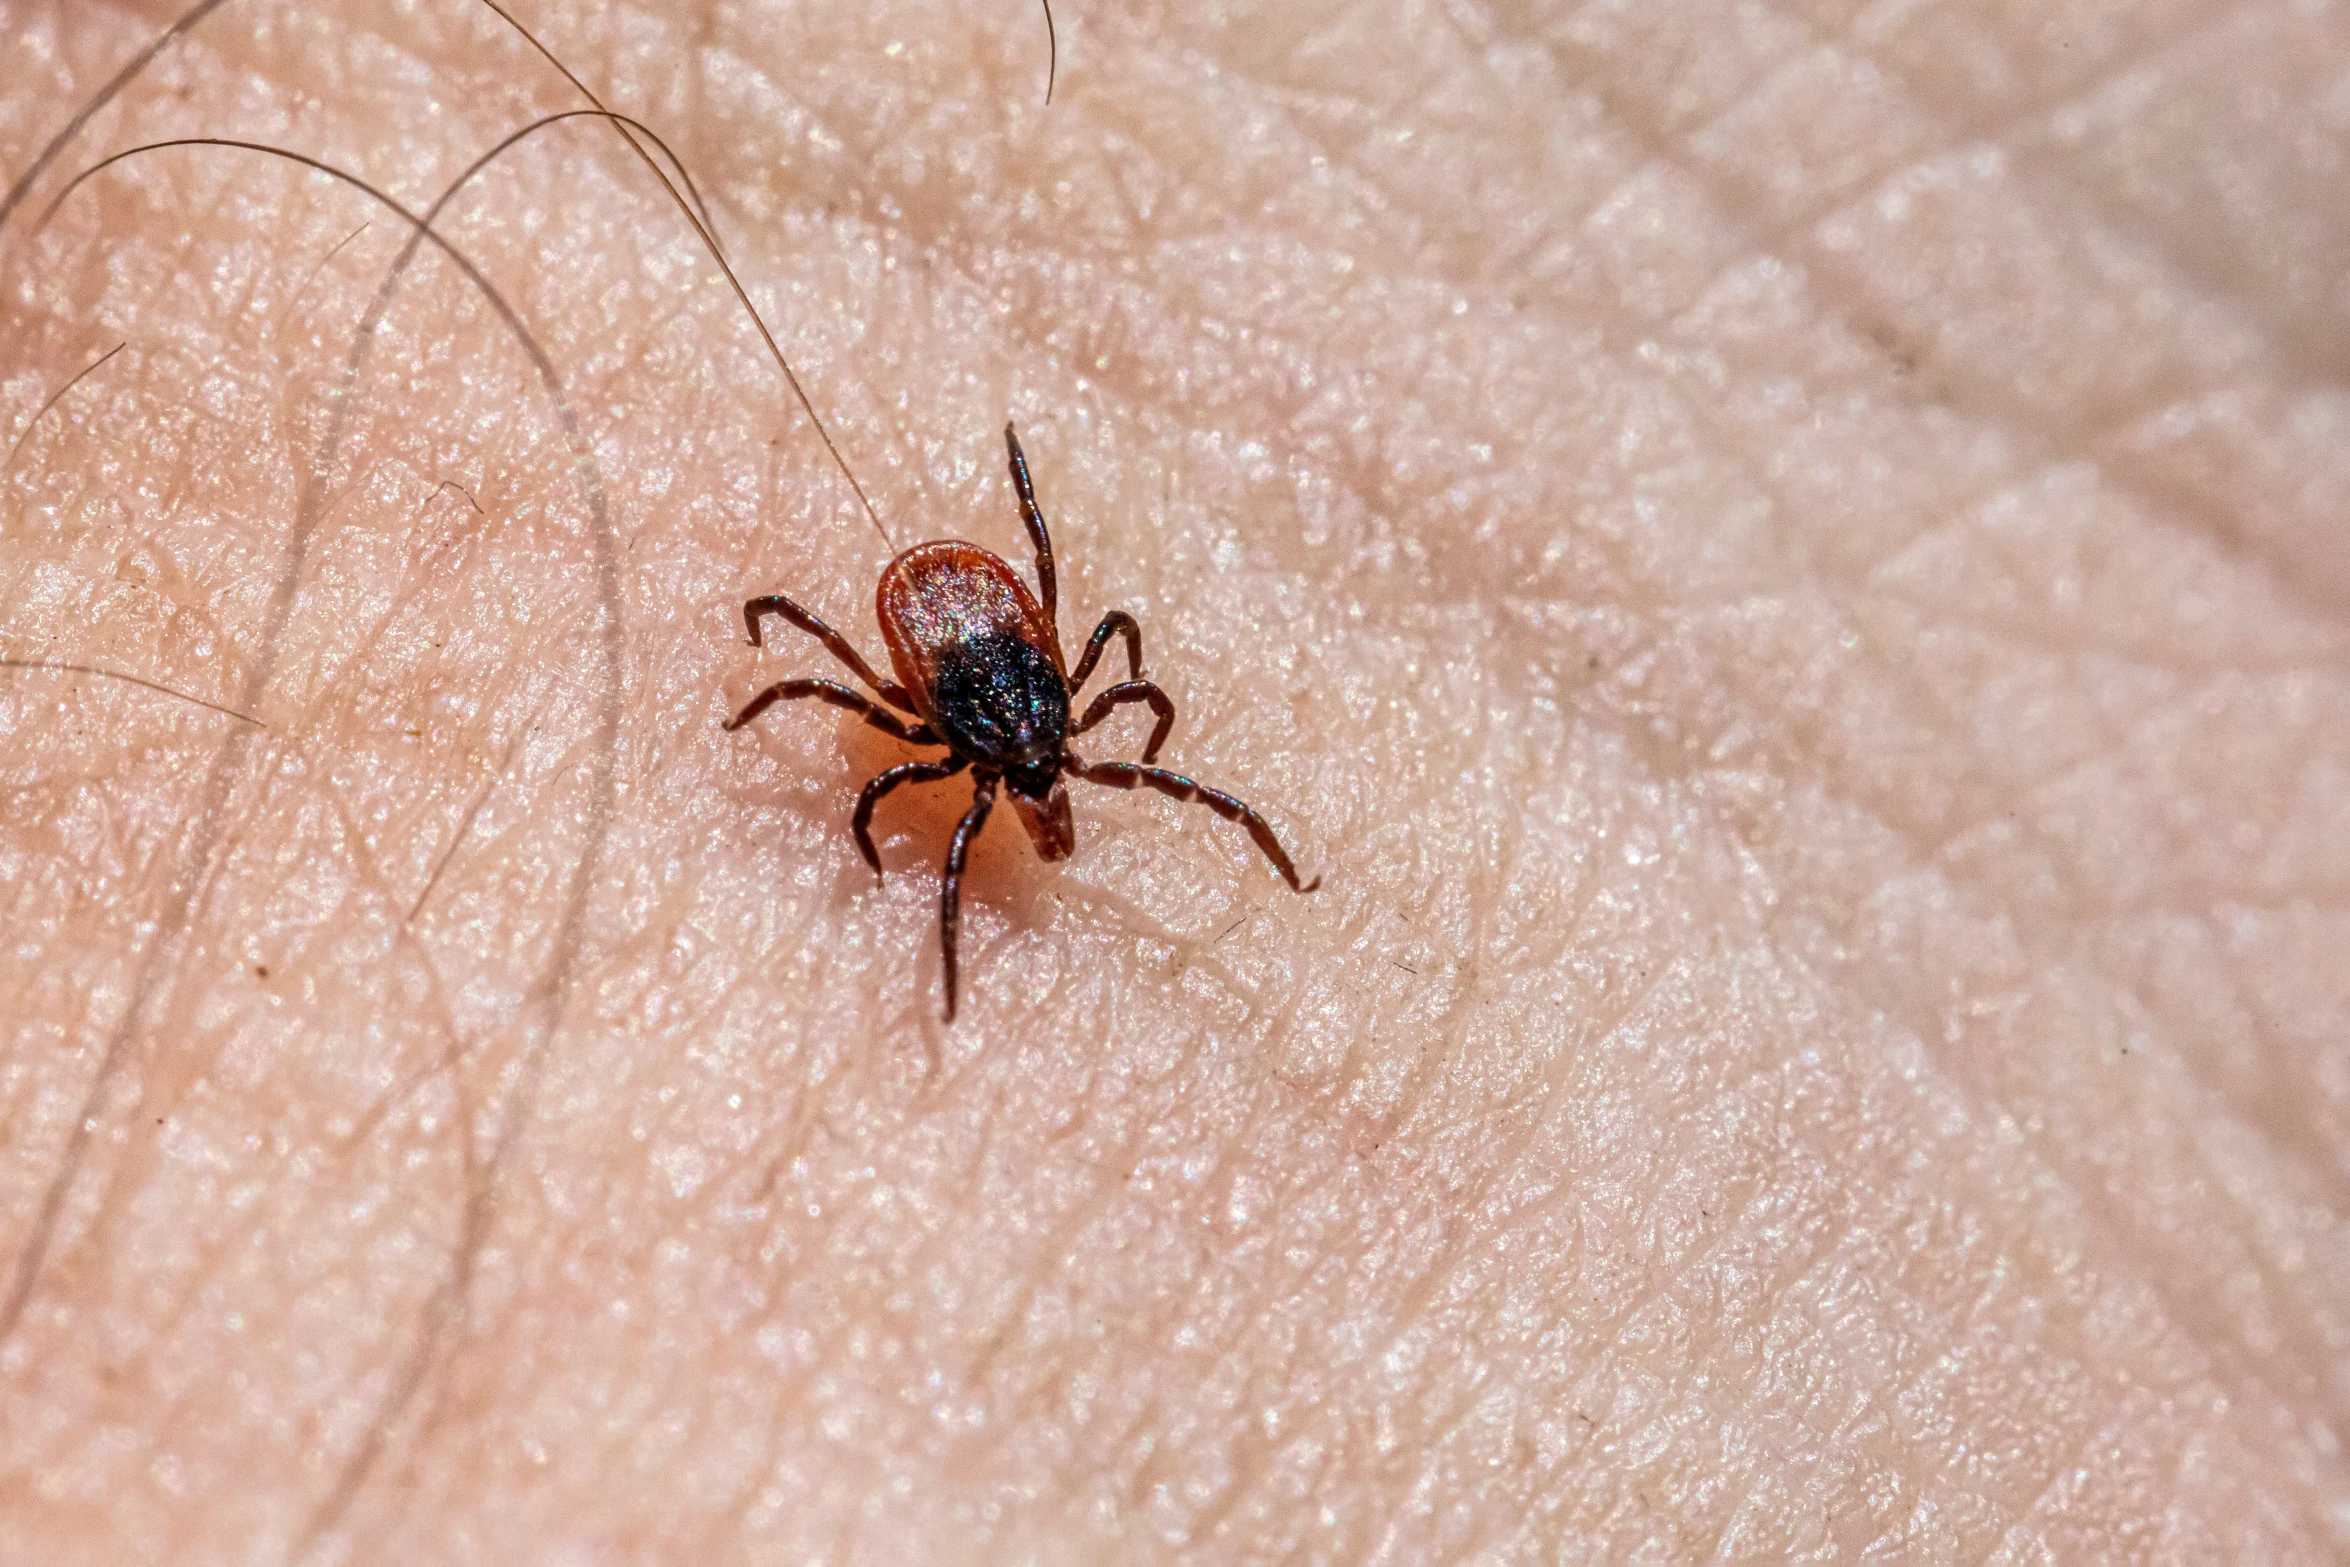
[(980, 673)]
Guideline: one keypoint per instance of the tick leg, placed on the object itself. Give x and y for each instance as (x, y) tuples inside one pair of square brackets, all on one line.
[(1049, 587), (1117, 622), (1133, 691), (834, 642), (1125, 775), (905, 773), (950, 893), (838, 695)]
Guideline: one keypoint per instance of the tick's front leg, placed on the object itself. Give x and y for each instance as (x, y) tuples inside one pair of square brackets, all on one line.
[(836, 644), (838, 695), (1047, 585)]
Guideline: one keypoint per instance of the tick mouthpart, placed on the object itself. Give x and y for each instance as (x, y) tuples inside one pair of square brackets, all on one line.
[(1036, 772), (1050, 826)]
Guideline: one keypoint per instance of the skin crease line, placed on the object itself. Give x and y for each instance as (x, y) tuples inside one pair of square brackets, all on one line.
[(1781, 559)]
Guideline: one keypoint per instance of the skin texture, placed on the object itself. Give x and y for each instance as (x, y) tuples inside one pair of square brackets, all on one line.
[(1784, 560)]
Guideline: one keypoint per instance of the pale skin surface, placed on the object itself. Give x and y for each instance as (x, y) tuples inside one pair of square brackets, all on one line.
[(1785, 562)]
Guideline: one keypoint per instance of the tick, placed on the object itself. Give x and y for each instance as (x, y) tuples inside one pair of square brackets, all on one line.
[(980, 673)]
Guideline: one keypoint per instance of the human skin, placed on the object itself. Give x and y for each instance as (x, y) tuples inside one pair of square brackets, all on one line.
[(1784, 563)]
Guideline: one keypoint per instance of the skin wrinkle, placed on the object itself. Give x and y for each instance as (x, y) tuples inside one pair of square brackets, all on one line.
[(2010, 126), (1052, 1247), (2005, 485), (2018, 1538), (446, 1305), (2159, 500), (2312, 367), (22, 186), (437, 1000), (1633, 1316), (1202, 1427), (457, 837), (1874, 1476), (53, 400), (1441, 589), (324, 261), (1777, 240), (414, 1375), (2185, 666), (52, 1206), (111, 1194), (2126, 991), (2312, 1152), (310, 509)]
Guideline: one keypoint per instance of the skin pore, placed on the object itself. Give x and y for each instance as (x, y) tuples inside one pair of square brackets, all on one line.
[(1783, 562)]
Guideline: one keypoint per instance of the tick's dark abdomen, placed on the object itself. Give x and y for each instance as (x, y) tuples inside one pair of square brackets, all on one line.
[(998, 699)]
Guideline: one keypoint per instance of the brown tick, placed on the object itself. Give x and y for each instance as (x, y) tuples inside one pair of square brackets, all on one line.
[(979, 667)]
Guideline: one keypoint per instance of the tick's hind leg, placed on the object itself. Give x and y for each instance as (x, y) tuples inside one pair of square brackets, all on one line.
[(1133, 691), (950, 892), (909, 772), (1125, 775), (834, 642), (838, 695)]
